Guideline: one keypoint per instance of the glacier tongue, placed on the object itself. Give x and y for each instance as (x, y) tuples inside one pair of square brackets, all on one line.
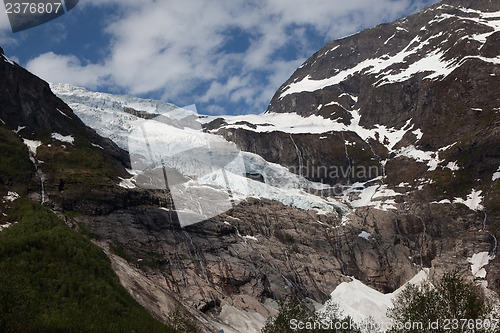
[(206, 174), (105, 112)]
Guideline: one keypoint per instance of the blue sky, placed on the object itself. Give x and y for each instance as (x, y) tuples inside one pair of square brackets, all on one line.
[(225, 56)]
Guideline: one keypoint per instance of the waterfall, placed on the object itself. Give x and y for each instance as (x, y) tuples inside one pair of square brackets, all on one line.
[(43, 188), (379, 159), (349, 168), (299, 156)]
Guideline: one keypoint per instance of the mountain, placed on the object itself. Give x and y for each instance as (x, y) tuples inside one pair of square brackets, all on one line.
[(397, 123), (52, 278), (376, 163), (417, 99)]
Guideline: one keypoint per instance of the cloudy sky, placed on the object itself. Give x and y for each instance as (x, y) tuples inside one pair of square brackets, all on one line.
[(225, 56)]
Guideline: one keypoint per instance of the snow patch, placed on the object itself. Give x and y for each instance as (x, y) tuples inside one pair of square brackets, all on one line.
[(431, 157), (354, 98), (478, 261), (32, 145), (8, 60), (365, 235), (444, 201), (418, 133), (64, 114), (7, 225), (19, 129), (387, 41), (11, 196), (371, 196), (127, 183), (59, 137), (432, 63), (453, 166), (360, 301), (496, 175), (473, 200), (291, 123)]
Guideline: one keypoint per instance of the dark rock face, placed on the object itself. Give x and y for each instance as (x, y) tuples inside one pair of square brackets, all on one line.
[(327, 160), (389, 75), (26, 100)]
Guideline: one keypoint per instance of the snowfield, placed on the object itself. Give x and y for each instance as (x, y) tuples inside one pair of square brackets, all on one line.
[(204, 165), (359, 301)]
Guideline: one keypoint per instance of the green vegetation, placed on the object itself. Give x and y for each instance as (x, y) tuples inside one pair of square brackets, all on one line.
[(15, 166), (453, 305), (459, 183), (77, 163), (182, 322), (293, 316), (54, 280)]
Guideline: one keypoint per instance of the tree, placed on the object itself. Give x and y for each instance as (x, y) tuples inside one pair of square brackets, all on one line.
[(181, 321), (293, 316), (288, 310), (453, 305)]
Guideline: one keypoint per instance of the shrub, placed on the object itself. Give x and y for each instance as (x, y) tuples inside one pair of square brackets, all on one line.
[(453, 305), (293, 316)]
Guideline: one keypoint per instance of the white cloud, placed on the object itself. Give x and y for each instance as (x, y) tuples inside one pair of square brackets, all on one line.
[(59, 68), (174, 47)]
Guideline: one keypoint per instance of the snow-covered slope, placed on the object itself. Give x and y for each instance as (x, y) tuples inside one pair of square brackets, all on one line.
[(429, 52), (361, 302), (423, 54), (206, 174), (105, 112)]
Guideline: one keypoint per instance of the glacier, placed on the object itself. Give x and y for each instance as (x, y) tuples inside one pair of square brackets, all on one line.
[(205, 174)]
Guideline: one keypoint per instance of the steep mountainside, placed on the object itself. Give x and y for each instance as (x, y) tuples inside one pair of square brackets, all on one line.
[(393, 91), (53, 279), (419, 97)]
